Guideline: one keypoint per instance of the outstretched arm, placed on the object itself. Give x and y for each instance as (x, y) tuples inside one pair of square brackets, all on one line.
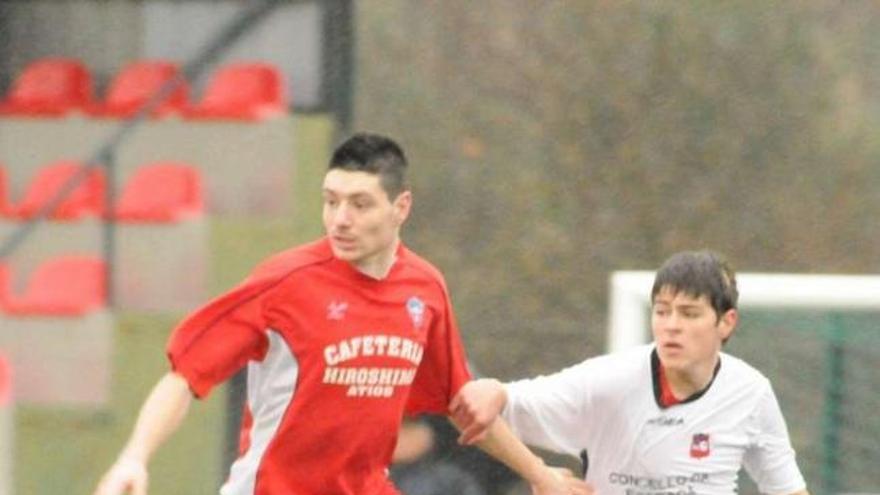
[(553, 412), (475, 410), (159, 417), (499, 442)]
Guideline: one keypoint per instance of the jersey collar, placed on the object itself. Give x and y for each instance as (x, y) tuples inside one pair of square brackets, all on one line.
[(659, 380)]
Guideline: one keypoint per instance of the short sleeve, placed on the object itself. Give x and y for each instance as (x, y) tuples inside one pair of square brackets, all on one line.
[(217, 340), (443, 369), (552, 411), (770, 460)]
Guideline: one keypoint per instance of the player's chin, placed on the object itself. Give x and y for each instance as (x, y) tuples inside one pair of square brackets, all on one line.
[(346, 252), (671, 358)]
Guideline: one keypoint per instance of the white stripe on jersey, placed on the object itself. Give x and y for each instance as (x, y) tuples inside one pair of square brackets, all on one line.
[(281, 367)]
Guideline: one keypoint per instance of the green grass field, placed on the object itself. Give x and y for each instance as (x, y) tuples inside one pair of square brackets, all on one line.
[(65, 451)]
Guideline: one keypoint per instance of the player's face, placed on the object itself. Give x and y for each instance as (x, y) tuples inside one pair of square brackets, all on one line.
[(362, 223), (687, 331)]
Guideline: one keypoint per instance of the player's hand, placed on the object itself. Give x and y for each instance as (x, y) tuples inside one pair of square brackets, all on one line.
[(475, 407), (125, 476), (561, 481)]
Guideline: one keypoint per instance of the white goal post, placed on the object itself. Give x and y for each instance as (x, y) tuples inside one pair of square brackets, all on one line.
[(628, 323)]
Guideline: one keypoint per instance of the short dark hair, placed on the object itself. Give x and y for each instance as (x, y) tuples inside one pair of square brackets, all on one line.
[(375, 154), (699, 273)]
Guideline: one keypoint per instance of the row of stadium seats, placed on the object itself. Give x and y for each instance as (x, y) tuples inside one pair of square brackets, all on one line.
[(56, 87), (161, 232), (246, 166), (157, 192)]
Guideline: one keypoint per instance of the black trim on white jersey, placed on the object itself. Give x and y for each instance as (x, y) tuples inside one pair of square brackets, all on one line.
[(655, 378), (585, 463)]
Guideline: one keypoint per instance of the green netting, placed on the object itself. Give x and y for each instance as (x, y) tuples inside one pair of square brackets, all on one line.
[(825, 368)]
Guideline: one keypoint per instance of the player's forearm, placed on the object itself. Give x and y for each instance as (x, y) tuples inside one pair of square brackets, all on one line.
[(159, 417), (501, 444)]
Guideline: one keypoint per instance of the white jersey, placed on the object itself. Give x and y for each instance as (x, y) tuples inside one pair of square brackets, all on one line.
[(607, 411)]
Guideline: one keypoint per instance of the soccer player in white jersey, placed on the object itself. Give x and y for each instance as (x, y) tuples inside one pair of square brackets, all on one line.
[(674, 416)]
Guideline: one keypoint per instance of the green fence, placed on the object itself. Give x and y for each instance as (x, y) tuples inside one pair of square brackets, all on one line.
[(825, 368)]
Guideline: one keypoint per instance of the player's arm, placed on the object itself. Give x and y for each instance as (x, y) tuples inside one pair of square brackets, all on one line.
[(770, 461), (414, 440), (500, 443), (161, 414), (475, 407), (553, 412)]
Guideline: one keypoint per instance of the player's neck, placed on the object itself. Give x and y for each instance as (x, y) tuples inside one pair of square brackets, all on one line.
[(378, 265), (687, 382)]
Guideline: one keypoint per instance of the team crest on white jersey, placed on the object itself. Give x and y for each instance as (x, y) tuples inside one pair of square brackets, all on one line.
[(336, 310), (416, 309), (700, 445)]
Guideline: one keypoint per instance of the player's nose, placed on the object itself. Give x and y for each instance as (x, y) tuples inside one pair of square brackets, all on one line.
[(342, 216), (671, 324)]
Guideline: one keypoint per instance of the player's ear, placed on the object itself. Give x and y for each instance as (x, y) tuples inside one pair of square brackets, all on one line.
[(727, 324), (402, 206)]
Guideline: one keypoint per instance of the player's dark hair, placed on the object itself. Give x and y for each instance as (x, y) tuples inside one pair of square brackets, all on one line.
[(699, 273), (375, 154)]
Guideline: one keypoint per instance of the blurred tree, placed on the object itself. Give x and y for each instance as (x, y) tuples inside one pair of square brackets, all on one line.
[(554, 142)]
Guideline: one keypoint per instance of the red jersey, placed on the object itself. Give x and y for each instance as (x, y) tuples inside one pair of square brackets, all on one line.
[(335, 359)]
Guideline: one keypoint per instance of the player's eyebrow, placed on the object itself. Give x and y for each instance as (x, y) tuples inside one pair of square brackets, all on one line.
[(688, 305), (351, 195), (337, 191)]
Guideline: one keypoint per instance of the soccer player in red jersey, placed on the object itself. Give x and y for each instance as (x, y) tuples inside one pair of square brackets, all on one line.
[(341, 338)]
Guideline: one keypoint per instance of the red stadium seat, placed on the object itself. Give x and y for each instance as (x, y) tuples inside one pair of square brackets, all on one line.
[(63, 286), (135, 86), (87, 198), (49, 87), (244, 91), (161, 192)]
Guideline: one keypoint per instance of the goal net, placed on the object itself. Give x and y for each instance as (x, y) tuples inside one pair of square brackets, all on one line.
[(817, 337)]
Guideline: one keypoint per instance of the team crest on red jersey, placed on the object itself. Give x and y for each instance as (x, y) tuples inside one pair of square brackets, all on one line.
[(416, 309), (700, 445), (336, 310)]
